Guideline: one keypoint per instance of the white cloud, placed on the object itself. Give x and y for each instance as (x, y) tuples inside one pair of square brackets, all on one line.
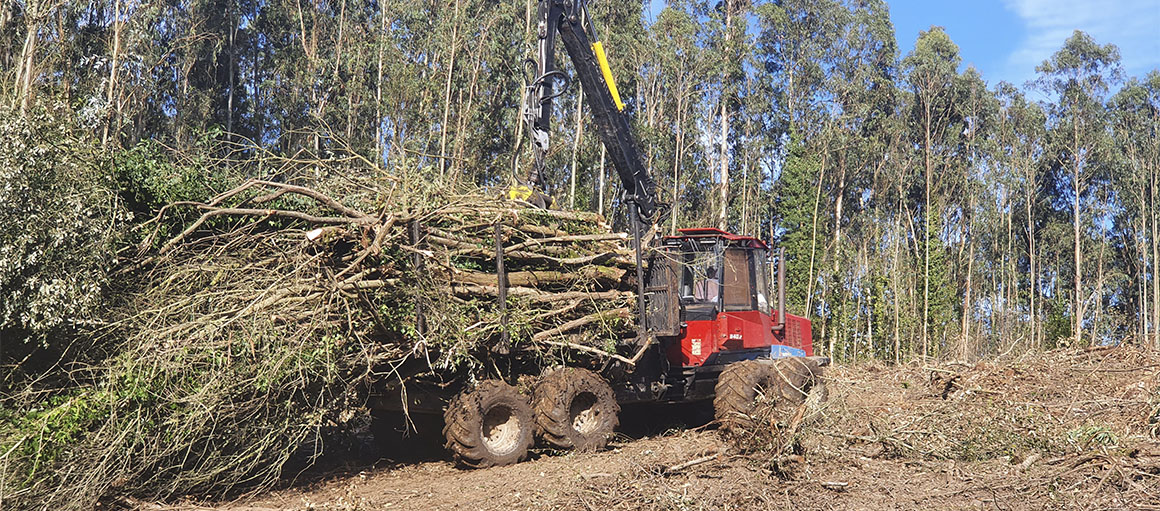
[(1132, 25)]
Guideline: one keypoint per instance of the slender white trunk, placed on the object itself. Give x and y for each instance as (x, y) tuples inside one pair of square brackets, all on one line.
[(113, 71), (576, 149), (965, 339), (723, 219), (926, 213), (380, 139), (27, 53), (895, 275), (1155, 261), (600, 190), (677, 164), (814, 234), (447, 92)]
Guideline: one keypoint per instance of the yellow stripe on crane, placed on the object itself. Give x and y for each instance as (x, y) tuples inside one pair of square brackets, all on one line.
[(602, 59)]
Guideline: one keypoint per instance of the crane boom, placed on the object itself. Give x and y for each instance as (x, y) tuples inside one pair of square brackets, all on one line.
[(570, 20)]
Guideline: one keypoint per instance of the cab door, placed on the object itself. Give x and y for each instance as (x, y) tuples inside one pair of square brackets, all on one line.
[(744, 322)]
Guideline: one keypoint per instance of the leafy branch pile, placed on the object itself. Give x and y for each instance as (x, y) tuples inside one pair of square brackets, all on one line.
[(250, 335)]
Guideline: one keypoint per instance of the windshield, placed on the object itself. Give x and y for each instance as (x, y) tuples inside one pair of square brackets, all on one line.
[(700, 276)]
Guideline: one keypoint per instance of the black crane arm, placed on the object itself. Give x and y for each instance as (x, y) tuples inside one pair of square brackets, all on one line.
[(570, 19)]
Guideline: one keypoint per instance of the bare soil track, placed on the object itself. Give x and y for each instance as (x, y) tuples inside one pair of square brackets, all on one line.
[(1073, 429)]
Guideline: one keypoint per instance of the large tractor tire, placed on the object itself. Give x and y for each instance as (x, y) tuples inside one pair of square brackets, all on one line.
[(800, 380), (738, 390), (489, 425), (575, 409), (778, 382)]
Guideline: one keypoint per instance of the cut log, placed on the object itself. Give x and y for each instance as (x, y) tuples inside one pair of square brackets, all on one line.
[(602, 316), (603, 275)]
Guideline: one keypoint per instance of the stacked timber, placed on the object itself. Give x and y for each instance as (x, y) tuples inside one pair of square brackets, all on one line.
[(455, 277), (526, 276)]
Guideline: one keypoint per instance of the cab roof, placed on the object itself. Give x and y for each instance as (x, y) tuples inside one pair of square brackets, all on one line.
[(699, 233)]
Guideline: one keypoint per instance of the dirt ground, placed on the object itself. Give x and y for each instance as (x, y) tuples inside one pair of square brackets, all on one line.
[(1072, 429)]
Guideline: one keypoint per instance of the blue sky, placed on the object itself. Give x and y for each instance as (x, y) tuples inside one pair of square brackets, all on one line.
[(1006, 39)]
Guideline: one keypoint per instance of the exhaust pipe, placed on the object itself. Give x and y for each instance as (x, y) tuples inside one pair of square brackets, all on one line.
[(781, 286)]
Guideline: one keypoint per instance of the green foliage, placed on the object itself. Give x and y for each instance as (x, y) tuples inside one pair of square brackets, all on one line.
[(62, 221), (243, 408), (1008, 431), (1056, 325), (1090, 436), (933, 171), (942, 292), (794, 207), (149, 178)]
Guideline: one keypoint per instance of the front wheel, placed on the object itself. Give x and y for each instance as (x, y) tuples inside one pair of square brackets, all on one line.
[(739, 388), (490, 425), (742, 385)]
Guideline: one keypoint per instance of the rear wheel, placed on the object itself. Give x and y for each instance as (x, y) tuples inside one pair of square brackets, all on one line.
[(488, 426), (575, 409)]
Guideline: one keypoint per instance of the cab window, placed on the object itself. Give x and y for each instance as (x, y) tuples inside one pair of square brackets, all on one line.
[(737, 280), (700, 278)]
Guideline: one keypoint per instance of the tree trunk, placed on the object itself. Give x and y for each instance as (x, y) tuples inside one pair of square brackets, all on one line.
[(723, 219), (965, 333), (677, 156), (895, 275), (447, 92), (27, 54), (600, 190), (814, 233), (1032, 279), (839, 196), (519, 140), (1155, 209), (926, 210), (745, 175), (381, 136), (1078, 310), (117, 23), (576, 149)]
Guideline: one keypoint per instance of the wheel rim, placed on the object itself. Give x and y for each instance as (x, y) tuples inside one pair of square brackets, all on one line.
[(583, 413), (501, 429)]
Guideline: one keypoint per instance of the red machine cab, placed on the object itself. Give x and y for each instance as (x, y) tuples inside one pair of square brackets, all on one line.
[(727, 310)]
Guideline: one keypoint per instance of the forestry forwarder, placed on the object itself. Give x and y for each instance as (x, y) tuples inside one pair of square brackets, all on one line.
[(708, 330)]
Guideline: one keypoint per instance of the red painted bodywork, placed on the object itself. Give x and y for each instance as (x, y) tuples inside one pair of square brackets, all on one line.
[(710, 232), (738, 331)]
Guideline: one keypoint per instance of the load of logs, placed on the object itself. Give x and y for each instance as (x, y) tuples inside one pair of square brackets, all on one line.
[(468, 273)]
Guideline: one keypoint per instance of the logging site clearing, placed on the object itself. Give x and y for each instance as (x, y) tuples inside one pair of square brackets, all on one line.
[(267, 255), (1069, 429)]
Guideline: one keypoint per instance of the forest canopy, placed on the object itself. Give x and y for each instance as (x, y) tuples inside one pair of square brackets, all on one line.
[(924, 210)]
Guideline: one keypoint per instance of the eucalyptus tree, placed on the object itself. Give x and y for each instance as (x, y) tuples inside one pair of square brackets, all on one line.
[(727, 45), (930, 73), (683, 65), (1020, 136), (861, 92), (794, 51), (970, 193), (1079, 75), (1135, 112)]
